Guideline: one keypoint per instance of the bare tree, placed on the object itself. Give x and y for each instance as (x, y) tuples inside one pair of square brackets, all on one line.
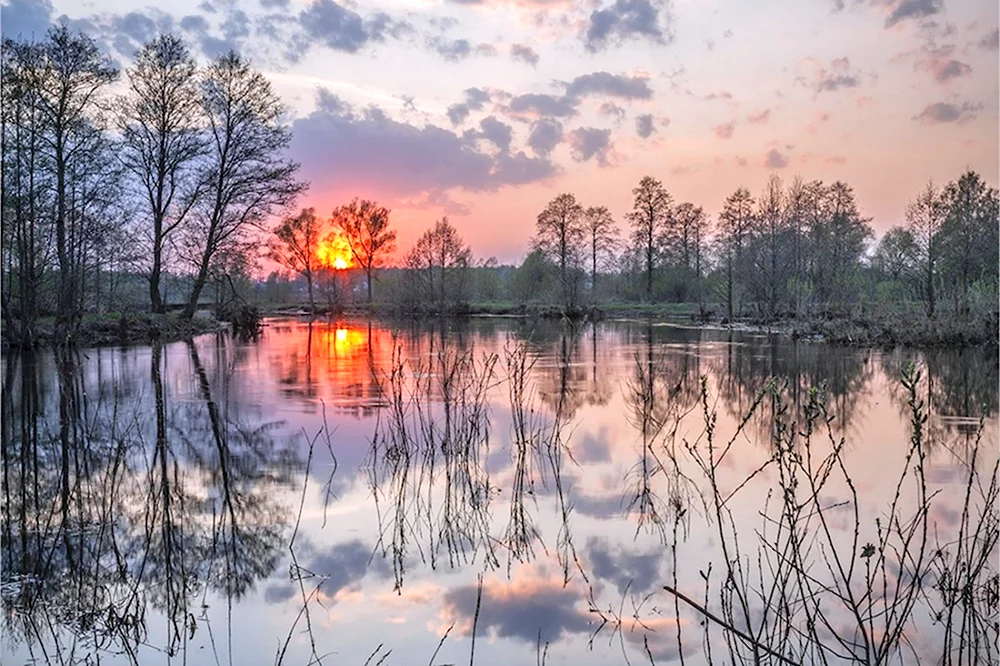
[(601, 236), (770, 264), (736, 223), (27, 204), (650, 218), (247, 179), (440, 257), (839, 241), (295, 246), (160, 120), (559, 234), (690, 225), (365, 225), (924, 217), (71, 74)]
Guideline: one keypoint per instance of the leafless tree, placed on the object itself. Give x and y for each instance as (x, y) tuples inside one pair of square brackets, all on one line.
[(650, 218), (736, 223), (365, 225), (161, 123), (559, 233), (247, 178), (295, 244), (924, 217), (70, 75), (440, 258), (601, 236)]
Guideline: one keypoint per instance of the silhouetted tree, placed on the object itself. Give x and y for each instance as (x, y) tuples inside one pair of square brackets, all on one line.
[(650, 217), (160, 120), (736, 223), (246, 179), (601, 235), (440, 258), (365, 225), (297, 239), (560, 235), (924, 217)]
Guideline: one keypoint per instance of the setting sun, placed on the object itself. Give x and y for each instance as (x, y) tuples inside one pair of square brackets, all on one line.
[(335, 253)]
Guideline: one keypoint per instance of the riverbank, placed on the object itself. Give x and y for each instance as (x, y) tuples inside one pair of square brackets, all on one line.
[(122, 329), (885, 329)]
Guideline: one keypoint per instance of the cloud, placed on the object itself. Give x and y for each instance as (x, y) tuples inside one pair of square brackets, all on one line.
[(836, 76), (498, 133), (644, 126), (456, 50), (340, 28), (725, 131), (759, 117), (344, 565), (342, 149), (902, 10), (518, 609), (524, 53), (775, 160), (591, 142), (546, 134), (475, 100), (25, 19), (622, 567), (938, 61), (991, 41), (944, 112), (612, 110), (612, 85), (543, 105), (627, 19)]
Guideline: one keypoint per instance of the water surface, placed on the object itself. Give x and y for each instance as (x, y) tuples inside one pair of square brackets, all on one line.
[(348, 491)]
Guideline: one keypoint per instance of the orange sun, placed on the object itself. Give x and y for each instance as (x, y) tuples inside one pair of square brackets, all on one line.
[(335, 253)]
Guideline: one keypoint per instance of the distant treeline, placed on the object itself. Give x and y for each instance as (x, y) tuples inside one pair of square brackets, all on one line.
[(800, 248), (166, 194)]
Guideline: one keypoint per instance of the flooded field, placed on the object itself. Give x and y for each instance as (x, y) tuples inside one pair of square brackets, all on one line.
[(499, 492)]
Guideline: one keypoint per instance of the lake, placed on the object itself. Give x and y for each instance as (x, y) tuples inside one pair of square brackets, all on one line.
[(499, 491)]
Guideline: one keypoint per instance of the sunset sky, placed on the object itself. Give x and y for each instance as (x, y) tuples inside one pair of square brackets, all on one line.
[(484, 110)]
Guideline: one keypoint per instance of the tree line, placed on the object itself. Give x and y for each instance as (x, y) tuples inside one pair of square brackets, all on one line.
[(177, 172), (183, 172)]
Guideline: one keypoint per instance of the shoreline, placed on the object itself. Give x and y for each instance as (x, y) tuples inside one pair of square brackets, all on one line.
[(884, 331), (128, 330)]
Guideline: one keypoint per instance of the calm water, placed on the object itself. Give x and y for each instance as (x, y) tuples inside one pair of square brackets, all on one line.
[(351, 491)]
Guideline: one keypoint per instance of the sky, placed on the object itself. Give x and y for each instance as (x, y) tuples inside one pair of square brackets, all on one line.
[(484, 110)]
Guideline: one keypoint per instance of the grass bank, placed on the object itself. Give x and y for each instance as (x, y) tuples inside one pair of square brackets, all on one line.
[(884, 328), (121, 329)]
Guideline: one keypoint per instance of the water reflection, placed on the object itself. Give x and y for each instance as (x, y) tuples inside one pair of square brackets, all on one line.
[(151, 494), (109, 514)]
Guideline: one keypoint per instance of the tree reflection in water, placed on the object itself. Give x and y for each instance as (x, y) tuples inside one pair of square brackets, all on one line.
[(107, 515), (143, 489)]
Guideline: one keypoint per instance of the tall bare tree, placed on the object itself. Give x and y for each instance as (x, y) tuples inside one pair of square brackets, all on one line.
[(295, 246), (601, 236), (559, 233), (247, 178), (160, 120), (71, 75), (365, 225), (690, 226), (441, 257), (650, 218), (924, 217), (736, 223)]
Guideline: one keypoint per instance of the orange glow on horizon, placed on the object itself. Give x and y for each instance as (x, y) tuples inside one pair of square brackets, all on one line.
[(335, 253)]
